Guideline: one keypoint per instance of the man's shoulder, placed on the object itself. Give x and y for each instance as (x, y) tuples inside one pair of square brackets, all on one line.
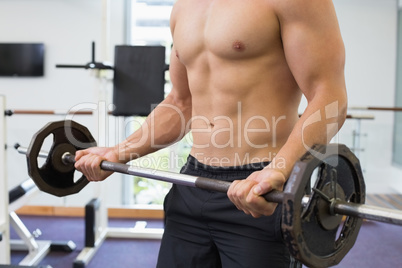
[(301, 10)]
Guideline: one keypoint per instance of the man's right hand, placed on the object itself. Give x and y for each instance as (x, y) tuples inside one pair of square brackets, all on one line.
[(88, 162)]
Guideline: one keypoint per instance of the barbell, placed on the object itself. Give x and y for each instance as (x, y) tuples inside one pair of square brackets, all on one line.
[(320, 220)]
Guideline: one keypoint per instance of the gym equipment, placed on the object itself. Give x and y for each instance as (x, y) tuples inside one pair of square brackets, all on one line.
[(55, 166), (372, 108), (20, 190), (95, 236), (312, 221), (4, 220), (90, 65), (313, 230), (19, 266), (37, 249), (139, 75), (96, 233), (45, 112), (139, 79)]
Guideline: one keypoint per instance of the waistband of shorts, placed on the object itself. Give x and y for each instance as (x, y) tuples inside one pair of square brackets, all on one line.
[(192, 161)]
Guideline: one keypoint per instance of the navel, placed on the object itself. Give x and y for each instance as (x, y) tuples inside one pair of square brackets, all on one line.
[(238, 46)]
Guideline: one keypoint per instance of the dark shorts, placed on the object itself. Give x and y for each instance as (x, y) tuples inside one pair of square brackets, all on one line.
[(204, 229)]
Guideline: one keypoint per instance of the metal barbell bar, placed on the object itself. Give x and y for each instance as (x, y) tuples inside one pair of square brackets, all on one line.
[(306, 216), (337, 206)]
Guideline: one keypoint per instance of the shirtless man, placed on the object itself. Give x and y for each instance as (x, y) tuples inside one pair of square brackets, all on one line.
[(238, 70)]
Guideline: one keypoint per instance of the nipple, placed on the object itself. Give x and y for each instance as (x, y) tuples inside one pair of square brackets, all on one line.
[(238, 46)]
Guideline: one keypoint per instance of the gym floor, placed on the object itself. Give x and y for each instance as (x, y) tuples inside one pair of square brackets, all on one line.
[(369, 250), (118, 253)]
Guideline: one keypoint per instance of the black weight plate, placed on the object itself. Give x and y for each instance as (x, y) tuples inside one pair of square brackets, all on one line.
[(52, 177), (304, 234)]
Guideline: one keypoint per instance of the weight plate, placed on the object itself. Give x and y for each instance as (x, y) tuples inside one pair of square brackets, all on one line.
[(311, 235), (53, 176)]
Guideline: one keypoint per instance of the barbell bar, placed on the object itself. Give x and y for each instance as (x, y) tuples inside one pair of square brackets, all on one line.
[(319, 223), (337, 206), (11, 112), (176, 178)]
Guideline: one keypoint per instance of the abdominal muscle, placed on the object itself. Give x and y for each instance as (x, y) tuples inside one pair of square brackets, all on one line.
[(241, 118), (239, 139)]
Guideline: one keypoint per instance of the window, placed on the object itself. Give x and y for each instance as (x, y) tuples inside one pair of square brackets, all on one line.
[(397, 147), (148, 24)]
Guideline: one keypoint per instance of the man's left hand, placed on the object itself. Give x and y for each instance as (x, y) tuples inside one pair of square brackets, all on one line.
[(246, 194)]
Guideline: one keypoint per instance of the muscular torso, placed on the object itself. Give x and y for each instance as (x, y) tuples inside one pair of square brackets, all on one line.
[(244, 97)]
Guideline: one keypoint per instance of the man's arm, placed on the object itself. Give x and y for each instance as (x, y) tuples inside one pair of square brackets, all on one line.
[(316, 57), (315, 54), (166, 125)]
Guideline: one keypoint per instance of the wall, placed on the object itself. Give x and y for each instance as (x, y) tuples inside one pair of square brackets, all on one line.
[(68, 27), (369, 29)]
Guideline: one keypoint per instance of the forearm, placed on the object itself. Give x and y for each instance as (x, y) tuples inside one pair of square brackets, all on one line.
[(322, 119), (166, 125)]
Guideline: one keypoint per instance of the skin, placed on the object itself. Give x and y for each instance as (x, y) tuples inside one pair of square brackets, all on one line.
[(238, 72)]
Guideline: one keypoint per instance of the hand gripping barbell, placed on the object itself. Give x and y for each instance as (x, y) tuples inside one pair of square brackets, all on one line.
[(313, 223)]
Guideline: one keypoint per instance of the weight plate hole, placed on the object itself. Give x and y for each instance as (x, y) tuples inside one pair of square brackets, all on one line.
[(45, 149), (340, 228), (77, 175), (315, 176)]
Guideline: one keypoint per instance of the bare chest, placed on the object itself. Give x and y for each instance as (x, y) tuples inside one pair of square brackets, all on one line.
[(229, 29)]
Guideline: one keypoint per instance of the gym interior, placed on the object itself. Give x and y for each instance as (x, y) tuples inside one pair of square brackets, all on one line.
[(82, 46)]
